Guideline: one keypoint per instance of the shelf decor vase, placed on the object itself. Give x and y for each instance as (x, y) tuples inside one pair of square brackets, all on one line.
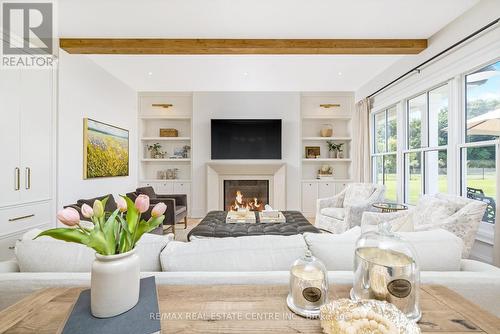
[(332, 154), (326, 130), (115, 283)]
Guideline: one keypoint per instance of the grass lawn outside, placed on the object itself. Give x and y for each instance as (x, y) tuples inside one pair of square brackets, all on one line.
[(487, 184)]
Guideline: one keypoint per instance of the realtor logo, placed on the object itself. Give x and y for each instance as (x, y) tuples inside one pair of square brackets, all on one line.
[(27, 34)]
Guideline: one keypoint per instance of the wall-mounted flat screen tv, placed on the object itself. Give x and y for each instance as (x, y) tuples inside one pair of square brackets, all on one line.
[(246, 138)]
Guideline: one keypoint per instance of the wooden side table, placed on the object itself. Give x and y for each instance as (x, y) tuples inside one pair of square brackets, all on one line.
[(242, 309), (389, 207)]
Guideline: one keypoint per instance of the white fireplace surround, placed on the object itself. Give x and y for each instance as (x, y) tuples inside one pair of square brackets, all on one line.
[(274, 172)]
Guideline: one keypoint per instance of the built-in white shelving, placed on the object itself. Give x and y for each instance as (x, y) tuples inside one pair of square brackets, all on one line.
[(166, 138), (327, 160), (165, 111), (314, 117), (165, 160), (326, 138)]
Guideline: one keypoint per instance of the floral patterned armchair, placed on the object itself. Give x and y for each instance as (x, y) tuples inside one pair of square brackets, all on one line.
[(339, 213)]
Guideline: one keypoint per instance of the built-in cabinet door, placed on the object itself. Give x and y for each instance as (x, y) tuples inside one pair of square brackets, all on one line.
[(10, 169), (36, 134), (339, 187), (326, 189), (165, 188), (309, 197)]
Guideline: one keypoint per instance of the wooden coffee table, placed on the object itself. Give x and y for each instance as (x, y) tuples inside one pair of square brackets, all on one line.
[(242, 309)]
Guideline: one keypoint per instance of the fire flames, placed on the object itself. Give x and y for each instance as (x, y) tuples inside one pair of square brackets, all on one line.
[(241, 203)]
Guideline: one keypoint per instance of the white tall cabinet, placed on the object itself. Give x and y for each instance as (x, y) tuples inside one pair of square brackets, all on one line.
[(27, 144)]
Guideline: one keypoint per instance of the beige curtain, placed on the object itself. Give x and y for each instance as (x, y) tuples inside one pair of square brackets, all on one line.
[(361, 140)]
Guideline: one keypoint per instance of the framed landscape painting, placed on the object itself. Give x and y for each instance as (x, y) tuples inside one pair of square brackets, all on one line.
[(105, 150)]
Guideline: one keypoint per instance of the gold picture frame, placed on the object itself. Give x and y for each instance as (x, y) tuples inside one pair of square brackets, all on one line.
[(105, 150), (312, 152)]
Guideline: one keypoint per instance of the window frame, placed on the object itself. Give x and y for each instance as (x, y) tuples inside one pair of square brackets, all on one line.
[(424, 141), (386, 152)]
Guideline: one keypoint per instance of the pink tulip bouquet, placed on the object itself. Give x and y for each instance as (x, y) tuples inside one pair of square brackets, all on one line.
[(116, 234)]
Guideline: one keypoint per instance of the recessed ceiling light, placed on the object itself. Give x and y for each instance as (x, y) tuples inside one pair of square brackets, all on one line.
[(340, 74), (150, 73), (245, 73)]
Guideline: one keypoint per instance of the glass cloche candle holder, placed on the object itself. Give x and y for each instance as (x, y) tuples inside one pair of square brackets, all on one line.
[(386, 268), (308, 286)]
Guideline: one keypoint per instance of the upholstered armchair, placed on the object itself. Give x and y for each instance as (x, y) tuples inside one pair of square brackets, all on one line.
[(458, 215), (339, 213)]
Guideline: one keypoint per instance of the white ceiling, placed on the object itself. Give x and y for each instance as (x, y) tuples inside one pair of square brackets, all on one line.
[(253, 19)]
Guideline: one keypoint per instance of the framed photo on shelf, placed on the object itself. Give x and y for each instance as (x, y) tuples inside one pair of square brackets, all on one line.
[(313, 152)]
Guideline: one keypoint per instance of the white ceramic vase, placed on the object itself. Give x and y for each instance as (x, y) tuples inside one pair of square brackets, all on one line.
[(115, 283)]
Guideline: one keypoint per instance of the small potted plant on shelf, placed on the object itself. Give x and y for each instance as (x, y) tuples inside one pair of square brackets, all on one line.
[(155, 151), (115, 278), (335, 150)]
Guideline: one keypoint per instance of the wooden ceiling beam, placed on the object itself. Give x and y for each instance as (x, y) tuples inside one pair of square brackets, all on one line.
[(241, 46)]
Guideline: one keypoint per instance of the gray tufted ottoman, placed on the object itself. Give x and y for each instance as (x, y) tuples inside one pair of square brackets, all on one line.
[(214, 226)]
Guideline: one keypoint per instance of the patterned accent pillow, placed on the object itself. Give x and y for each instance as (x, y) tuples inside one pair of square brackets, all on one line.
[(432, 211)]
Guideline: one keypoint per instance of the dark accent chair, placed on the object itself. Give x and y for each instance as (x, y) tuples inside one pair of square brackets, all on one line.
[(176, 206), (110, 204)]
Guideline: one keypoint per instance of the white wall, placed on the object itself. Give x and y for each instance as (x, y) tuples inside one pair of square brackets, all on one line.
[(86, 90), (285, 106), (478, 16)]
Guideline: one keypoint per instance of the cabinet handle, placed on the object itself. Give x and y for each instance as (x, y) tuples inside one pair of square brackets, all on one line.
[(22, 217), (28, 177), (17, 181), (12, 247)]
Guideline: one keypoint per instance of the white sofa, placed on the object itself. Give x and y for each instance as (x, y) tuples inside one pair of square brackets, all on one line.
[(243, 260)]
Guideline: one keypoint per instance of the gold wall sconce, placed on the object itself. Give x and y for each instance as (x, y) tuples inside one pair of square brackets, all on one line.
[(329, 105), (163, 105)]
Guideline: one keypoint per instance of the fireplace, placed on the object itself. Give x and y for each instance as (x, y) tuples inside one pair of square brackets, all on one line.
[(250, 194)]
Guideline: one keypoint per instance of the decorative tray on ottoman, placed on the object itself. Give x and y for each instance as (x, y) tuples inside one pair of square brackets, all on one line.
[(272, 217), (238, 217)]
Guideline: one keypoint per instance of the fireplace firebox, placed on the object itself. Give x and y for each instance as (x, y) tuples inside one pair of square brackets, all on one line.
[(247, 194)]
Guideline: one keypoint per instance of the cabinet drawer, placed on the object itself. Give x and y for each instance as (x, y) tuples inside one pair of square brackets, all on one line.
[(24, 217), (182, 188), (7, 246), (326, 189), (165, 188)]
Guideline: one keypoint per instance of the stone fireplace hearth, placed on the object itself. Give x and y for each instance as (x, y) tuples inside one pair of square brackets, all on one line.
[(253, 178)]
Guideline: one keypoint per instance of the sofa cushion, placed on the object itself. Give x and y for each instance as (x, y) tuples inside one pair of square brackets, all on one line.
[(336, 251), (437, 250), (46, 254), (358, 193), (251, 253), (337, 213)]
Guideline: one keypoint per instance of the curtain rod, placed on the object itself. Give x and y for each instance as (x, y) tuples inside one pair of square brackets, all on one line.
[(416, 68)]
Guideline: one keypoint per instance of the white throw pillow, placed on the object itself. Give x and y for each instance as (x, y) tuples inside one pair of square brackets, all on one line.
[(337, 213), (431, 210), (336, 251), (252, 253), (46, 254), (437, 250)]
